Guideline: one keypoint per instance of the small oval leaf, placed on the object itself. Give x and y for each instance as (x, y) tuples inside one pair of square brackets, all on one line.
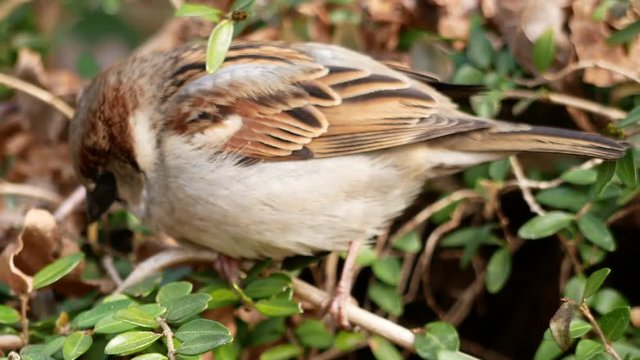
[(544, 50), (218, 45), (56, 270), (130, 342), (545, 225), (75, 345)]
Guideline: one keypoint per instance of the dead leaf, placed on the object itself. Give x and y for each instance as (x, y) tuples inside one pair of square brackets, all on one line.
[(454, 17), (39, 244), (521, 22), (590, 40)]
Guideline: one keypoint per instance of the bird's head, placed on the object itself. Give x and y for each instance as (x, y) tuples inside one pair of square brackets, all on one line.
[(103, 145)]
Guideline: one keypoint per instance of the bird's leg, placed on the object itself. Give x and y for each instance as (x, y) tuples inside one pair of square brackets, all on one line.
[(228, 268), (338, 304)]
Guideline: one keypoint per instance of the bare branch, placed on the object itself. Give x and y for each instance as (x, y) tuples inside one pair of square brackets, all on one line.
[(38, 93)]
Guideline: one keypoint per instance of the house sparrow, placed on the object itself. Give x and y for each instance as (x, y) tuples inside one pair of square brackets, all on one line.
[(286, 149)]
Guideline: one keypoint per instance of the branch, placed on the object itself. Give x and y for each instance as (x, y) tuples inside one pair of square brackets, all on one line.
[(70, 203), (38, 93), (7, 188), (567, 100), (584, 309), (524, 187), (585, 64), (358, 316), (168, 334)]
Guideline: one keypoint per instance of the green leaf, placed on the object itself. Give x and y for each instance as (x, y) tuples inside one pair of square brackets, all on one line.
[(580, 176), (312, 333), (141, 316), (278, 307), (606, 170), (595, 281), (267, 331), (437, 336), (172, 291), (91, 317), (181, 309), (575, 288), (242, 5), (229, 351), (366, 256), (388, 270), (203, 11), (145, 286), (545, 225), (544, 49), (109, 325), (454, 355), (547, 350), (387, 298), (468, 74), (281, 352), (222, 297), (76, 345), (347, 341), (586, 349), (151, 356), (56, 270), (130, 342), (267, 287), (8, 315), (499, 169), (596, 231), (498, 270), (632, 117), (479, 49), (607, 300), (579, 327), (218, 45), (625, 35), (382, 349), (615, 323), (562, 197), (409, 243), (626, 169), (53, 346), (202, 335)]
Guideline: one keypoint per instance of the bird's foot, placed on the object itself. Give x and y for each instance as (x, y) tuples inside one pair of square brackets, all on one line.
[(337, 308), (228, 268)]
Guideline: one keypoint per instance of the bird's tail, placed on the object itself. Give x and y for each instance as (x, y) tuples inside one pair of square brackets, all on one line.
[(538, 139)]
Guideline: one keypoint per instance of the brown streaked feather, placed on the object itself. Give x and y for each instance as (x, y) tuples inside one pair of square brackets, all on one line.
[(271, 101), (293, 105)]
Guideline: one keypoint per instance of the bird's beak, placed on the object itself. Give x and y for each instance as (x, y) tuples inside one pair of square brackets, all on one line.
[(103, 195)]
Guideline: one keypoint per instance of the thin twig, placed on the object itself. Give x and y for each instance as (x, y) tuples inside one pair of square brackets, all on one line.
[(70, 203), (110, 269), (356, 315), (427, 255), (567, 100), (523, 185), (168, 334), (38, 93), (24, 320), (585, 64), (11, 189), (584, 309), (427, 212)]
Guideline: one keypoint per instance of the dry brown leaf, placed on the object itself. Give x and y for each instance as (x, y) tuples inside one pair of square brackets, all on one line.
[(522, 22), (454, 17), (590, 40), (39, 244)]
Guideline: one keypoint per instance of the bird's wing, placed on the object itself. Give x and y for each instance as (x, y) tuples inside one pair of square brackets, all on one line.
[(274, 101)]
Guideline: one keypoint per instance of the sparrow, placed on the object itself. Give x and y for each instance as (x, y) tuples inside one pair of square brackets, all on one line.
[(286, 149)]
